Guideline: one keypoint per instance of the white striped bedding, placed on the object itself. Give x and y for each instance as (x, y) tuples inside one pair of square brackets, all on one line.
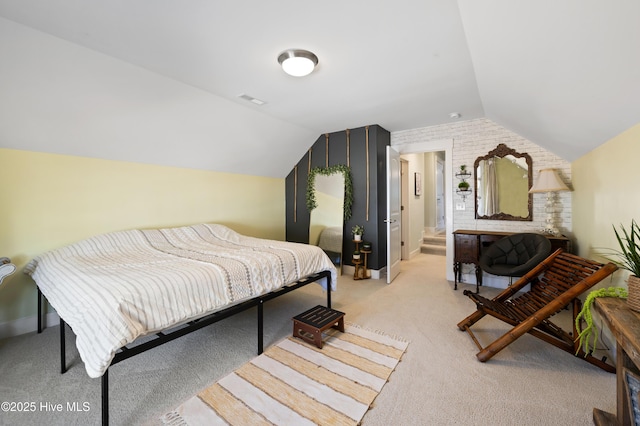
[(116, 287)]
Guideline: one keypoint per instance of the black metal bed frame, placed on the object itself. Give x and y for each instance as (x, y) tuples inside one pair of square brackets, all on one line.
[(173, 333)]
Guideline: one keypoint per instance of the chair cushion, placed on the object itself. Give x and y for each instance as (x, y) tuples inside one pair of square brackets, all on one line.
[(515, 255)]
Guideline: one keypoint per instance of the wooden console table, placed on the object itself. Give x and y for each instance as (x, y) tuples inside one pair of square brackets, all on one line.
[(469, 245), (625, 325)]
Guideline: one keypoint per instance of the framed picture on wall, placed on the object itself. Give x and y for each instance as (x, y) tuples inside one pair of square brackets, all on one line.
[(418, 186)]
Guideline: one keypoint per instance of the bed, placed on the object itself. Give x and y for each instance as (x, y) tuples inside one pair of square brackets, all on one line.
[(115, 288)]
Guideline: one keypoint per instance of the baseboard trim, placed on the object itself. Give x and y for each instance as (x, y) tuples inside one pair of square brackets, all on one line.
[(27, 325)]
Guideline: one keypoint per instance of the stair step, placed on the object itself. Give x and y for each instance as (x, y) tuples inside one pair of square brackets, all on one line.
[(436, 240), (433, 249)]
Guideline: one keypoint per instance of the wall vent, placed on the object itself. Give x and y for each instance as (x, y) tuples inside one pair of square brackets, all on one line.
[(252, 99)]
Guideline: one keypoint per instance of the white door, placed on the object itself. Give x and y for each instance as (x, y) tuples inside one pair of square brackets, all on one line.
[(393, 219)]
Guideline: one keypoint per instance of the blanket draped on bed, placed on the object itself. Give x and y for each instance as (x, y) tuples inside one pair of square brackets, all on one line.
[(115, 287)]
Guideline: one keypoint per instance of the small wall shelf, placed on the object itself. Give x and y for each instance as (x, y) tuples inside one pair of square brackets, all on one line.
[(463, 175)]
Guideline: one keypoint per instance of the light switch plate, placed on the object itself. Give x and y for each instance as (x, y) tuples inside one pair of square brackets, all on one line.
[(460, 206)]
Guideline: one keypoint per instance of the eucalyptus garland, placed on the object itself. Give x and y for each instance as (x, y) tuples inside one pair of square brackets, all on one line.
[(588, 334), (326, 171)]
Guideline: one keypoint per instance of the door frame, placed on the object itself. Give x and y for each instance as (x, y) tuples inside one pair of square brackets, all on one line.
[(440, 207), (445, 145), (405, 226)]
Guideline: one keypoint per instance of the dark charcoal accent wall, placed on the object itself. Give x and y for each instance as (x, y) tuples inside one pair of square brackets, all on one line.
[(375, 229)]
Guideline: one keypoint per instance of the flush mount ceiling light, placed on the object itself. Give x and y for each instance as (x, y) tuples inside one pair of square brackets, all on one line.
[(297, 62)]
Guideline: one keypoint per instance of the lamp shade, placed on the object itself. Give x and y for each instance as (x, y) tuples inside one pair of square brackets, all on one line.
[(548, 181), (297, 63)]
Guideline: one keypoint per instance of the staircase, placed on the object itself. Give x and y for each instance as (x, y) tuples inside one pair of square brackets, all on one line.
[(434, 244)]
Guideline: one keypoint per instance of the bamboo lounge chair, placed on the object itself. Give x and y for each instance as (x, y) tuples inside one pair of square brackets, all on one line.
[(555, 284)]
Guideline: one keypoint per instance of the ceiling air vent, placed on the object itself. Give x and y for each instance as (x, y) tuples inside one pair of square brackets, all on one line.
[(252, 99)]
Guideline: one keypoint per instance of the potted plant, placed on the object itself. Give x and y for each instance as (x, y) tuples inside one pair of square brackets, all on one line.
[(628, 257), (356, 255), (463, 173), (463, 186), (357, 231)]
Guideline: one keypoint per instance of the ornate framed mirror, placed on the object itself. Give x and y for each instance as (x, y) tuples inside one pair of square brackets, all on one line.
[(502, 180)]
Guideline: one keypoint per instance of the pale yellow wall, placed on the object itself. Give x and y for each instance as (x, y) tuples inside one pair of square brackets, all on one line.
[(49, 200), (606, 194)]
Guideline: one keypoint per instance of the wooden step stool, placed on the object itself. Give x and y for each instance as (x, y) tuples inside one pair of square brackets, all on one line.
[(310, 324)]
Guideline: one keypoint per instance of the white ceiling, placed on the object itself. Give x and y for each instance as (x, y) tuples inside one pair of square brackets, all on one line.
[(563, 74)]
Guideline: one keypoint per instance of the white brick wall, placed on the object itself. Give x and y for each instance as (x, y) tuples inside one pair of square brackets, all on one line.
[(474, 138)]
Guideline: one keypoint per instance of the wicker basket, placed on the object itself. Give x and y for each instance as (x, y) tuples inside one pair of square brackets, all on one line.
[(634, 293)]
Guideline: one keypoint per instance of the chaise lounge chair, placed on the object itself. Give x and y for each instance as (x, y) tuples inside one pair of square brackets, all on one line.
[(555, 284)]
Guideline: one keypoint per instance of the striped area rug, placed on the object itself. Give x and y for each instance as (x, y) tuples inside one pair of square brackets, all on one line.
[(295, 383)]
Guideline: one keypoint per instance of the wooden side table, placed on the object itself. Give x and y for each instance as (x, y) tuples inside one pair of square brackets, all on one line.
[(624, 323), (361, 272), (466, 250)]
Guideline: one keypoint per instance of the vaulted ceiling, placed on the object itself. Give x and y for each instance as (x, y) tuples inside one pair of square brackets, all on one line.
[(563, 74)]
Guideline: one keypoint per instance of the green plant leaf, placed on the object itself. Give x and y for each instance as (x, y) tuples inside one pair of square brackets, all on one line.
[(628, 257), (327, 171), (588, 336)]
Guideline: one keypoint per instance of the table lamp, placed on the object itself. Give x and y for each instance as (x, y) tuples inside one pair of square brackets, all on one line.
[(548, 181)]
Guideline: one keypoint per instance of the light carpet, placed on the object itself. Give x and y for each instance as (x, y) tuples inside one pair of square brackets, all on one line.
[(295, 383)]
